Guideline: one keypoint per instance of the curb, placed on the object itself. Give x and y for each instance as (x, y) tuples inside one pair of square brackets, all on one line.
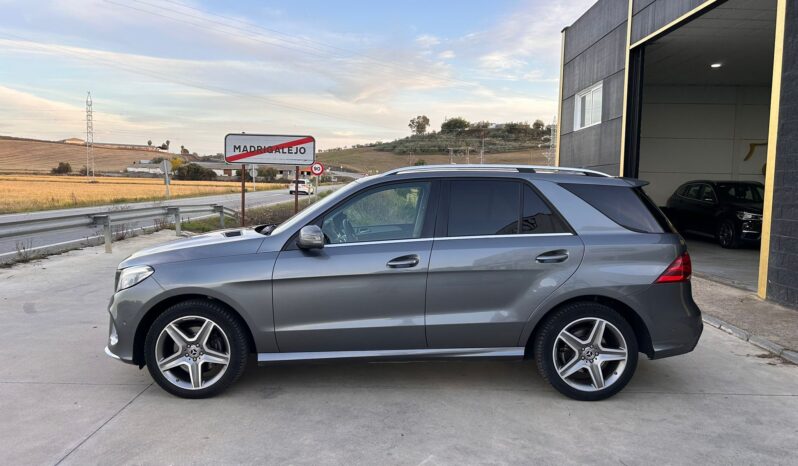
[(756, 340)]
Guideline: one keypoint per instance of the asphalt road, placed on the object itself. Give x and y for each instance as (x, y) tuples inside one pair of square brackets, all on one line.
[(253, 199), (63, 401)]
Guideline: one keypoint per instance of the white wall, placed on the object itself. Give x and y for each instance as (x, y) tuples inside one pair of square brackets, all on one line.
[(700, 132)]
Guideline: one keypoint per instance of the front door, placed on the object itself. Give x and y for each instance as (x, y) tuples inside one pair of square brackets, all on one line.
[(499, 251), (365, 290)]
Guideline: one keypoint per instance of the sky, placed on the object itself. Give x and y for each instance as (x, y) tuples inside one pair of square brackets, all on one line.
[(345, 72)]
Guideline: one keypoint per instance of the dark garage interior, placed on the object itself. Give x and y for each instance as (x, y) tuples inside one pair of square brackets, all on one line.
[(704, 115)]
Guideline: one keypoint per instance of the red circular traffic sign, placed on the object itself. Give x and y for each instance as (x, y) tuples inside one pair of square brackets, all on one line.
[(317, 168)]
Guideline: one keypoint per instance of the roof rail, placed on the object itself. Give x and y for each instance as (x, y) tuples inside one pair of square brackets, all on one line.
[(496, 167)]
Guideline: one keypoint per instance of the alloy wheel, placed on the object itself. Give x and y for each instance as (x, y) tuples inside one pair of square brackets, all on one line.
[(590, 354), (725, 234), (192, 352)]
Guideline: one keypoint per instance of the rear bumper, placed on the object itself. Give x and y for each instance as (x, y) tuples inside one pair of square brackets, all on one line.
[(672, 318)]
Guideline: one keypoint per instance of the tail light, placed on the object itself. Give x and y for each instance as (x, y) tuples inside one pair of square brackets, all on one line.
[(679, 270)]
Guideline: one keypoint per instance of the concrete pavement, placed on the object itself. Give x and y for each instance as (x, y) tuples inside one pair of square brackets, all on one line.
[(62, 400)]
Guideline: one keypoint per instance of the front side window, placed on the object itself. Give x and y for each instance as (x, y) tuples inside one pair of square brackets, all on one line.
[(386, 213), (587, 107)]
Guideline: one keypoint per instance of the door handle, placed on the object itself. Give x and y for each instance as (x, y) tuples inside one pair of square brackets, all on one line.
[(403, 262), (560, 255)]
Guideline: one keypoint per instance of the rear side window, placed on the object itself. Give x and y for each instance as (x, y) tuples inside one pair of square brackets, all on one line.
[(484, 207), (628, 207), (538, 217), (499, 207)]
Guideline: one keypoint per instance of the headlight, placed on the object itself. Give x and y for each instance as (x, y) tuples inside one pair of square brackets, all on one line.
[(132, 276), (742, 215)]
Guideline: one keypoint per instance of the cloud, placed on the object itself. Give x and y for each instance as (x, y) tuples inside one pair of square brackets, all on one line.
[(426, 41), (446, 55)]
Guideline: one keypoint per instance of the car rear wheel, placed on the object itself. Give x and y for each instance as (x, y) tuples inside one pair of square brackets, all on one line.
[(727, 235), (196, 349), (587, 351)]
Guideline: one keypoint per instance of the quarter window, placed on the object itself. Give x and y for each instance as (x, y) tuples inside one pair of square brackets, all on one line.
[(387, 213), (587, 107)]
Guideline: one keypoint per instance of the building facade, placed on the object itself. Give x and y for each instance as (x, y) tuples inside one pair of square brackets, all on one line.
[(676, 90)]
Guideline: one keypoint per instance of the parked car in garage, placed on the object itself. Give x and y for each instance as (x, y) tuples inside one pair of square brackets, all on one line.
[(573, 268), (302, 185), (729, 211)]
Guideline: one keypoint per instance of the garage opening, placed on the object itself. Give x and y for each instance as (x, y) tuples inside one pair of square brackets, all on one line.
[(703, 134)]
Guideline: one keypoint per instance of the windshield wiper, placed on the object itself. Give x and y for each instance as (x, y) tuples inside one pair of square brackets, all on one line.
[(266, 229)]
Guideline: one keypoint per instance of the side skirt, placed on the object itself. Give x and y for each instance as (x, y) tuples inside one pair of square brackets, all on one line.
[(410, 354)]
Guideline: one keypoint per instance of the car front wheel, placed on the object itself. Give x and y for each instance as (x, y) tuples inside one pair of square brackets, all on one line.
[(587, 351), (727, 235), (196, 349)]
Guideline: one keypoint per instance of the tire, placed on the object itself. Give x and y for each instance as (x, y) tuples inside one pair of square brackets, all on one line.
[(727, 235), (555, 356), (189, 367)]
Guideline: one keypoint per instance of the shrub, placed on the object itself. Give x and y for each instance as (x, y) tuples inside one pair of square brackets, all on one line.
[(62, 169), (192, 171)]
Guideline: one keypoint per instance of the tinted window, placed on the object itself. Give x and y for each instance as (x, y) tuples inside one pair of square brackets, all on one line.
[(746, 192), (538, 217), (483, 207), (386, 213), (707, 194), (628, 207), (692, 191)]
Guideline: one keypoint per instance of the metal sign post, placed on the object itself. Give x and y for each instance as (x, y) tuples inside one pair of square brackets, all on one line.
[(243, 195), (165, 167), (269, 149)]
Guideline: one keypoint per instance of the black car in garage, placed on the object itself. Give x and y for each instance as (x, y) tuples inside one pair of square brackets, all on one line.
[(730, 211)]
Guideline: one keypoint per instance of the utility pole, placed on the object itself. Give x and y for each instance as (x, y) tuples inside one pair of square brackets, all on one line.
[(451, 155), (482, 153), (89, 138), (468, 154)]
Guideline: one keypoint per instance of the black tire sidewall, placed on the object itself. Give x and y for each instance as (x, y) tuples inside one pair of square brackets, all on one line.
[(220, 316), (551, 327), (735, 242)]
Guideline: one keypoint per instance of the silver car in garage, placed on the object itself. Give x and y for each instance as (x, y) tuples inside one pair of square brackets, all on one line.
[(573, 268)]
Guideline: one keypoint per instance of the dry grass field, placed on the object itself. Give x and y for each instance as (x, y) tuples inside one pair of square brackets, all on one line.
[(29, 193), (28, 156), (366, 160)]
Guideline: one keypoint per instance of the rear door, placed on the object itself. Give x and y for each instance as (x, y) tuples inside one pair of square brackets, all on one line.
[(500, 249)]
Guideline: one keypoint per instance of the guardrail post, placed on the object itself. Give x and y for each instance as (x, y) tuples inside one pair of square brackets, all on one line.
[(220, 209), (175, 211), (106, 222)]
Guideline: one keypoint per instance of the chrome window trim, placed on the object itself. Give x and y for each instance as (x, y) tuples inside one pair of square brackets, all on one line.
[(503, 236), (439, 238), (363, 243)]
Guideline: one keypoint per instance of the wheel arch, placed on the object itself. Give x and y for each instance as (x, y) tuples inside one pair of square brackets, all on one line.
[(632, 317), (158, 308)]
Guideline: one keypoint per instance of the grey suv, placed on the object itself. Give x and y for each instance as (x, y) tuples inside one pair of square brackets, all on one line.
[(573, 268)]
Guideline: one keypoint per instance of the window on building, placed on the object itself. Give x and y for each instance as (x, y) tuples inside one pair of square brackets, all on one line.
[(587, 108)]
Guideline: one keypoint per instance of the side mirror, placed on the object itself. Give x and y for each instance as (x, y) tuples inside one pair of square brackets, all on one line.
[(310, 237)]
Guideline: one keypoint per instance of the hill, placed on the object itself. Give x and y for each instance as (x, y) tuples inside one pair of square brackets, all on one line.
[(369, 160), (35, 156)]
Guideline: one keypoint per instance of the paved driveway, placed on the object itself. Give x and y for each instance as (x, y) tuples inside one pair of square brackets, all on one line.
[(63, 400), (737, 267)]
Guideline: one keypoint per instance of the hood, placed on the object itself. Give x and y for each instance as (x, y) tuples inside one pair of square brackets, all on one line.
[(747, 206), (230, 242)]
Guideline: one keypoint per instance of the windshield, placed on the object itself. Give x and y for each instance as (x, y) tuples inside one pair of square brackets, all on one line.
[(742, 192), (313, 209)]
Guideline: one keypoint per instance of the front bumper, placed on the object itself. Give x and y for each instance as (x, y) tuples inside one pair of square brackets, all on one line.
[(125, 310)]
